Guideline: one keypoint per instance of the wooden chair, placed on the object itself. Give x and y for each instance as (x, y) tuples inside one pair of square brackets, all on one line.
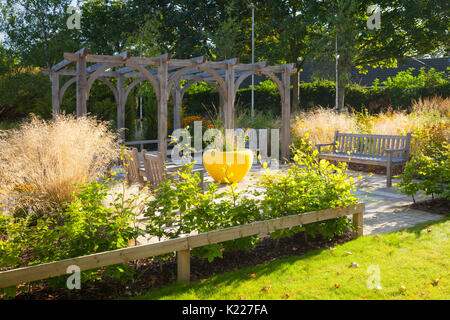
[(156, 172), (133, 168)]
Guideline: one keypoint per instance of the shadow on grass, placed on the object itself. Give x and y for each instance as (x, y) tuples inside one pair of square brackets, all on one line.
[(418, 228), (230, 279)]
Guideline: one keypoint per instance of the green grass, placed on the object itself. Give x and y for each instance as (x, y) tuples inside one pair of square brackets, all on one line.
[(409, 261)]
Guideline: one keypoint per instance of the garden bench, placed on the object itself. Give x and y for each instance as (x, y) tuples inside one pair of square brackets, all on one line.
[(383, 150)]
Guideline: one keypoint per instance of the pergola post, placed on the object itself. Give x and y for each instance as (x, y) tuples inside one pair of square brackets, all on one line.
[(286, 115), (55, 95), (177, 100), (221, 74), (162, 108), (121, 107), (81, 86), (229, 101)]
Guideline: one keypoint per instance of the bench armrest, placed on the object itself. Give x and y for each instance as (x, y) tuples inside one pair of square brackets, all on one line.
[(395, 150), (173, 168), (320, 145)]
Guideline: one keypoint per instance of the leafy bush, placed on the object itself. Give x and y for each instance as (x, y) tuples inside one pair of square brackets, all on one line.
[(180, 207), (84, 226), (41, 162), (429, 172), (309, 185), (405, 87)]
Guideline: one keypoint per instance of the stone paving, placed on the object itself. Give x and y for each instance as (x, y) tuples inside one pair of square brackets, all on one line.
[(387, 210)]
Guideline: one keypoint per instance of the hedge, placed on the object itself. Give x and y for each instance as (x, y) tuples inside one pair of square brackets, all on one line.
[(318, 93)]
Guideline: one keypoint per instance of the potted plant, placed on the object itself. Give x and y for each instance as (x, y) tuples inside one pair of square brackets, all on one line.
[(227, 160)]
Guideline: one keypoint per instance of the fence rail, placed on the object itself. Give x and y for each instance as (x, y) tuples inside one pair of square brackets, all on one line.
[(180, 245)]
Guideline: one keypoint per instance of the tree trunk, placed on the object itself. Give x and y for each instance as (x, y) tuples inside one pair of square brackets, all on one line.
[(341, 93)]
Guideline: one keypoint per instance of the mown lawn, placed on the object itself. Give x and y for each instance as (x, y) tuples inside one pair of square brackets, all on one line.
[(413, 264)]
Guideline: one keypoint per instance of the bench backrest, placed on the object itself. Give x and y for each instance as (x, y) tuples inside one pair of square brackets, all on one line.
[(154, 168), (371, 144), (131, 162)]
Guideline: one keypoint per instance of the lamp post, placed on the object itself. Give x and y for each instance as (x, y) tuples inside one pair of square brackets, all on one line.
[(252, 6), (337, 76)]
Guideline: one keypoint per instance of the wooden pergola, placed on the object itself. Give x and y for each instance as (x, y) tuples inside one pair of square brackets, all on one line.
[(166, 75)]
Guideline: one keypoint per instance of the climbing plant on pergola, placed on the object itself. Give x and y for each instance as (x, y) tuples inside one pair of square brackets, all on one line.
[(166, 75)]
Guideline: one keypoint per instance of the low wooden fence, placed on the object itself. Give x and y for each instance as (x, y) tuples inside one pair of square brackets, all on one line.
[(180, 245)]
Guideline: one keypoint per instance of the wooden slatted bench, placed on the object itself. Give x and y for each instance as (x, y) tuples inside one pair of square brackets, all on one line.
[(384, 150)]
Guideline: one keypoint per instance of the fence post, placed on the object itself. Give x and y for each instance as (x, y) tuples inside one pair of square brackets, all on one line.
[(184, 265), (358, 221)]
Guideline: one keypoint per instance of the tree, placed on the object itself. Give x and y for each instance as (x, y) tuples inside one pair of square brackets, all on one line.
[(37, 30), (285, 32), (225, 38), (408, 29)]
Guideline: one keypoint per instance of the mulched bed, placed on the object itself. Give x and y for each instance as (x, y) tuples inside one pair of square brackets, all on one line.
[(439, 206), (148, 274)]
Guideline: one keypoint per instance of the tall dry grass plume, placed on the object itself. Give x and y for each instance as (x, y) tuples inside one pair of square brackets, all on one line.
[(322, 123), (434, 105), (41, 162)]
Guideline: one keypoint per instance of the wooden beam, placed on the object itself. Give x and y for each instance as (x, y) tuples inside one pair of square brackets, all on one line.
[(55, 95), (121, 107), (222, 64), (149, 61), (95, 67), (251, 67), (229, 100), (53, 269), (124, 70), (280, 68), (81, 81), (162, 109), (82, 53), (187, 62), (124, 55), (358, 222), (286, 116), (99, 58), (184, 265), (106, 74)]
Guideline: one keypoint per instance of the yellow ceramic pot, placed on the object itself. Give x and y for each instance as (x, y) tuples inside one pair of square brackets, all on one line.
[(228, 166)]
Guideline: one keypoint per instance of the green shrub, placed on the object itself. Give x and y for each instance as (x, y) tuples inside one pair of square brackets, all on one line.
[(180, 207), (84, 226), (309, 185), (429, 173)]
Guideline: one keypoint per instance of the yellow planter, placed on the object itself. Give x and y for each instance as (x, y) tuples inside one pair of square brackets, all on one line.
[(229, 166)]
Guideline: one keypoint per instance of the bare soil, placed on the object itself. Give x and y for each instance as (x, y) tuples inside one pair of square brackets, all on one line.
[(439, 206)]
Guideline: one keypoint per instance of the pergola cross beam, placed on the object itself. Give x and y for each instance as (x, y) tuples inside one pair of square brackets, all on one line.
[(166, 75)]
